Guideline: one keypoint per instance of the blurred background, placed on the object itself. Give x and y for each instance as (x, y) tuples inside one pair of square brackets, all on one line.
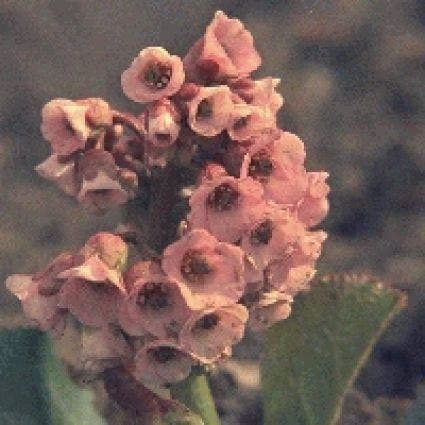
[(353, 77)]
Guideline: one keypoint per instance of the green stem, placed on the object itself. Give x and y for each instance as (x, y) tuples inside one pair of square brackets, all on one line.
[(195, 393)]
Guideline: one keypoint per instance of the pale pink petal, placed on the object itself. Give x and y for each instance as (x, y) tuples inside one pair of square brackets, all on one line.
[(98, 113), (64, 125), (210, 111), (156, 304), (226, 207), (226, 50), (162, 362), (209, 268), (153, 74), (61, 173), (92, 303), (209, 332), (272, 308)]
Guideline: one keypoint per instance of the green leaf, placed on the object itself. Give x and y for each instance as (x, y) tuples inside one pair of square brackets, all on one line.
[(313, 357)]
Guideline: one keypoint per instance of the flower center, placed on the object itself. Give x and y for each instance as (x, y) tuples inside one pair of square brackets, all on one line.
[(194, 266), (240, 123), (164, 354), (260, 166), (205, 109), (208, 322), (262, 233), (157, 75), (154, 295), (223, 197)]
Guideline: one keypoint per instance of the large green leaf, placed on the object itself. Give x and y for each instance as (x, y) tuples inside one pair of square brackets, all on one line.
[(313, 357)]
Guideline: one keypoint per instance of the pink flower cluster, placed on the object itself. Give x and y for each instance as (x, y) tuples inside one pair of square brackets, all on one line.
[(248, 248)]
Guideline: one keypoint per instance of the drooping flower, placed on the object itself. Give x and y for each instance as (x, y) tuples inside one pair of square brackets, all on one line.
[(162, 362), (101, 188), (38, 294), (315, 205), (212, 270), (62, 173), (210, 111), (94, 286), (226, 206), (225, 51), (154, 74), (276, 161), (211, 332), (155, 304)]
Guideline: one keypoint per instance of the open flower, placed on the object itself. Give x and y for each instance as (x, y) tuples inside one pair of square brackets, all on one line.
[(226, 206), (153, 74), (277, 163), (272, 307), (156, 305), (64, 125), (210, 111), (226, 50), (315, 205), (209, 268), (101, 188), (209, 333), (38, 294), (162, 123), (162, 362)]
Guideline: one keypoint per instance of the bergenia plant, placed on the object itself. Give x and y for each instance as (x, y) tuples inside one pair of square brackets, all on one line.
[(221, 236)]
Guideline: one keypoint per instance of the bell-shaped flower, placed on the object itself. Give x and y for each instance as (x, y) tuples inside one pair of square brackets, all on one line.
[(210, 111), (209, 333), (162, 123), (209, 268), (225, 51), (226, 206), (315, 205), (272, 307), (101, 188), (38, 294), (154, 74), (277, 163), (60, 172), (162, 362), (155, 304)]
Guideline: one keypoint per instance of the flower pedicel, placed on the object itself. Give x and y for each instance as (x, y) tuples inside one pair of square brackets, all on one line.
[(246, 246)]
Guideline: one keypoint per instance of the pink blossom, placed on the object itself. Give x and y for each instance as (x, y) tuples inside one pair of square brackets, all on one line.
[(210, 111), (162, 123), (209, 333), (38, 294), (271, 308), (209, 268), (61, 172), (98, 113), (162, 362), (226, 50), (261, 93), (101, 188), (103, 348), (154, 74), (249, 121), (278, 164), (315, 205), (156, 305), (226, 206), (64, 125), (272, 237)]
